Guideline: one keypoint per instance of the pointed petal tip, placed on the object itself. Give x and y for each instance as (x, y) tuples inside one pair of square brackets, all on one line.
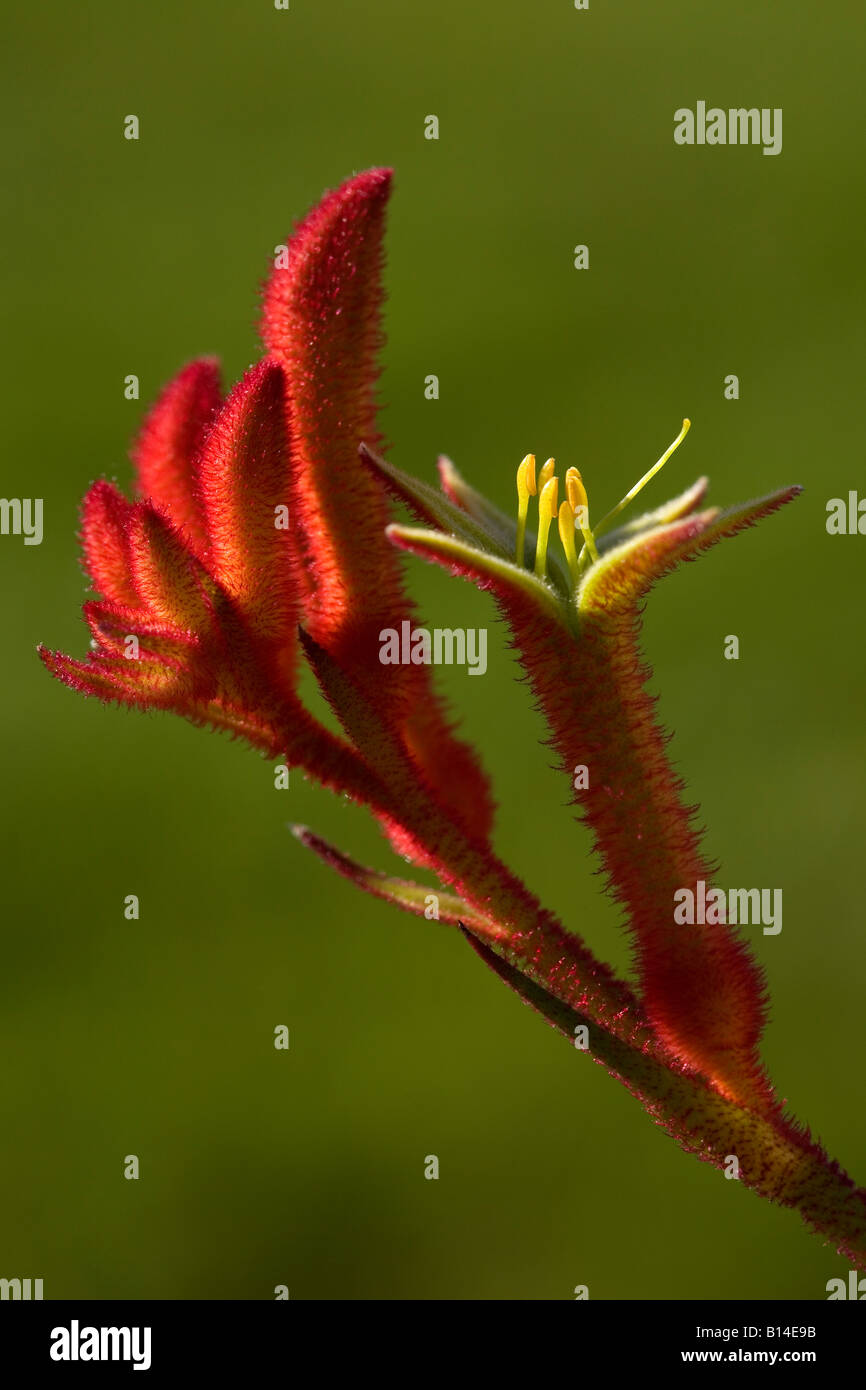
[(379, 176), (168, 443), (103, 489), (365, 186), (626, 572), (448, 478), (80, 676), (182, 410), (265, 378)]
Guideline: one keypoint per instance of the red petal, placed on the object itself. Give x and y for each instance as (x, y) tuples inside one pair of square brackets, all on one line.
[(112, 623), (148, 683), (104, 518), (321, 318), (244, 479), (170, 440)]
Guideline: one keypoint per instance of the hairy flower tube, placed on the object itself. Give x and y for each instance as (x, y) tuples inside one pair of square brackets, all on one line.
[(260, 539)]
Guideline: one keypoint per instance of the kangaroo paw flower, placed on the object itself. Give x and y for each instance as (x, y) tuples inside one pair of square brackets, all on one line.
[(259, 539), (576, 631)]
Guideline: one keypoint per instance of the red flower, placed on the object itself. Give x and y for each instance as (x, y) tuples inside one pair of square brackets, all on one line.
[(256, 516), (261, 539)]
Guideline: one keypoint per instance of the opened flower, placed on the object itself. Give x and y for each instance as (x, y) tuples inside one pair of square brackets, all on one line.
[(260, 539)]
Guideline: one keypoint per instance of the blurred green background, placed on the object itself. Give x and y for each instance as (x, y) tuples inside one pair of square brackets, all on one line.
[(155, 1037)]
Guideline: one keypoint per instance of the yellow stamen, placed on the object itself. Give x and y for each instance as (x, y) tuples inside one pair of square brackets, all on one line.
[(546, 473), (580, 503), (566, 535), (633, 492), (575, 490), (526, 488), (546, 511)]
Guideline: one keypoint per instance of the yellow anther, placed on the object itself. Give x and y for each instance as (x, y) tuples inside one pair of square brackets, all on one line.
[(633, 492), (566, 535), (546, 473), (547, 501), (575, 490), (526, 478), (526, 488), (580, 506)]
